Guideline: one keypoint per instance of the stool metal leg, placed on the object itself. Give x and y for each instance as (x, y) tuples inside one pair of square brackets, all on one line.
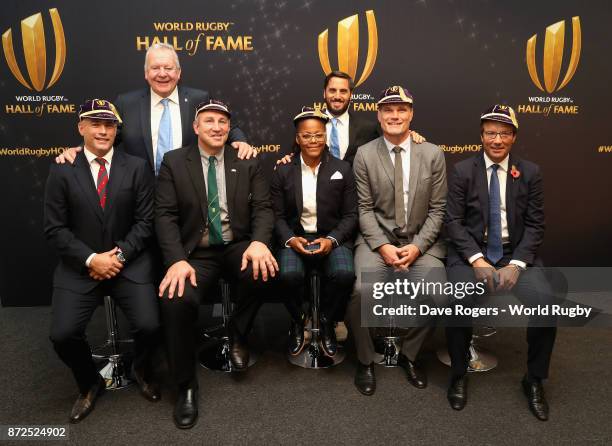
[(114, 372), (215, 355), (481, 360), (312, 356)]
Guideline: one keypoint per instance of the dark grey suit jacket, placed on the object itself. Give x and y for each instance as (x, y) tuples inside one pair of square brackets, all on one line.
[(134, 135), (181, 204)]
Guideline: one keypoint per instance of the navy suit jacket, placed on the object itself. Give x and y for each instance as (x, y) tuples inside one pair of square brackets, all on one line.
[(467, 209), (77, 226), (336, 200), (134, 135)]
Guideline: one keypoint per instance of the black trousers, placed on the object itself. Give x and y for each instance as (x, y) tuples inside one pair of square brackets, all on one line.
[(531, 289), (180, 314), (72, 312)]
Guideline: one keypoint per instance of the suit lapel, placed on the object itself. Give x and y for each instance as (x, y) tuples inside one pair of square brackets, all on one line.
[(184, 105), (194, 167), (145, 122), (385, 159), (115, 179), (511, 185), (482, 188), (88, 187), (297, 185), (323, 179), (232, 172), (415, 168), (352, 135)]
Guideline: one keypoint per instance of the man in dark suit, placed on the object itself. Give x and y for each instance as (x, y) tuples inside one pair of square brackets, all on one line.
[(99, 217), (315, 204), (495, 224), (159, 118), (213, 217)]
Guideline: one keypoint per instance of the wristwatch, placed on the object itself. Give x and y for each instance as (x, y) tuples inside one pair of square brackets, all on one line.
[(120, 256)]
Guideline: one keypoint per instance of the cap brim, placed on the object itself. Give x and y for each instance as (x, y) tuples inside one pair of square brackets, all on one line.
[(213, 107)]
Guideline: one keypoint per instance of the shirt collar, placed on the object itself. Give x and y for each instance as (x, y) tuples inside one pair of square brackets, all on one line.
[(306, 166), (174, 97), (218, 156), (91, 156), (404, 145), (503, 164), (343, 118)]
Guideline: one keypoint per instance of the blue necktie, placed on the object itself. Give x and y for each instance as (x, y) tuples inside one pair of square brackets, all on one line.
[(334, 144), (494, 233), (164, 135)]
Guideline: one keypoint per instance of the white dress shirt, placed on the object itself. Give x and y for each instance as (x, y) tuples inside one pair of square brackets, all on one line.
[(226, 230), (94, 167), (157, 109), (502, 176), (309, 197), (342, 125), (405, 154)]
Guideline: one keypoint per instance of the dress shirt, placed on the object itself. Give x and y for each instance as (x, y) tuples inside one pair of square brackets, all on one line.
[(502, 176), (226, 230), (405, 154), (342, 125), (157, 109)]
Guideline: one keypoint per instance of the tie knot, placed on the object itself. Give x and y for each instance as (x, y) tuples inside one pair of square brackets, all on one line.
[(212, 160), (397, 149), (164, 102), (101, 161), (494, 167)]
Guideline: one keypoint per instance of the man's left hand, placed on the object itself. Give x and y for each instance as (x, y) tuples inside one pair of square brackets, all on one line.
[(508, 276), (245, 151), (262, 258), (407, 255)]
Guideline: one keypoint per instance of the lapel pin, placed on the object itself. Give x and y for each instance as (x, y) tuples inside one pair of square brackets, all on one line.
[(233, 170)]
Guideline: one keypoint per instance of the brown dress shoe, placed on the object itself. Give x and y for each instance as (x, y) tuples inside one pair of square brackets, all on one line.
[(85, 402)]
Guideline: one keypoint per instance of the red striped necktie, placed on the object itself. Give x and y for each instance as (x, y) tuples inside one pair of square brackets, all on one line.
[(102, 181)]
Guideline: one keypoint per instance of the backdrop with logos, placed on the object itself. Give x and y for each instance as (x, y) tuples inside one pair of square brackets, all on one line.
[(267, 58)]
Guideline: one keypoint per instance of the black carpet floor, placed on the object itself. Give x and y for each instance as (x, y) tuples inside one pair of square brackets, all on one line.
[(278, 403)]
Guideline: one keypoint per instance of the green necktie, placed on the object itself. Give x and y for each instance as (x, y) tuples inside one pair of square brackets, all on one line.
[(214, 210)]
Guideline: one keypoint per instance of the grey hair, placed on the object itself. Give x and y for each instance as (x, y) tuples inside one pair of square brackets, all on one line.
[(162, 46)]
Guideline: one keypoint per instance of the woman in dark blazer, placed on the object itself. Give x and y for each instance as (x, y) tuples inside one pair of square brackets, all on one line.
[(315, 205)]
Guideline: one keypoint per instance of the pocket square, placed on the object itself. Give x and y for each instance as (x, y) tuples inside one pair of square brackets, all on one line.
[(336, 176)]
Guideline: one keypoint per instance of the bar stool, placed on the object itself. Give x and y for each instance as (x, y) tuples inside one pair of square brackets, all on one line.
[(388, 343), (115, 351), (215, 354), (481, 360), (312, 356)]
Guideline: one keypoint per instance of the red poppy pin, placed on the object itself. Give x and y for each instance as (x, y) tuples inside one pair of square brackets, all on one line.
[(515, 172)]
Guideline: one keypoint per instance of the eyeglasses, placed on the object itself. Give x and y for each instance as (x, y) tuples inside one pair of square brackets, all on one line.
[(317, 137), (492, 135)]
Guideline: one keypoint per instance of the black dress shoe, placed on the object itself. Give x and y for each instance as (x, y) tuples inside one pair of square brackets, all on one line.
[(296, 338), (328, 338), (186, 409), (149, 388), (85, 403), (239, 355), (457, 393), (534, 391), (365, 379), (415, 376)]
